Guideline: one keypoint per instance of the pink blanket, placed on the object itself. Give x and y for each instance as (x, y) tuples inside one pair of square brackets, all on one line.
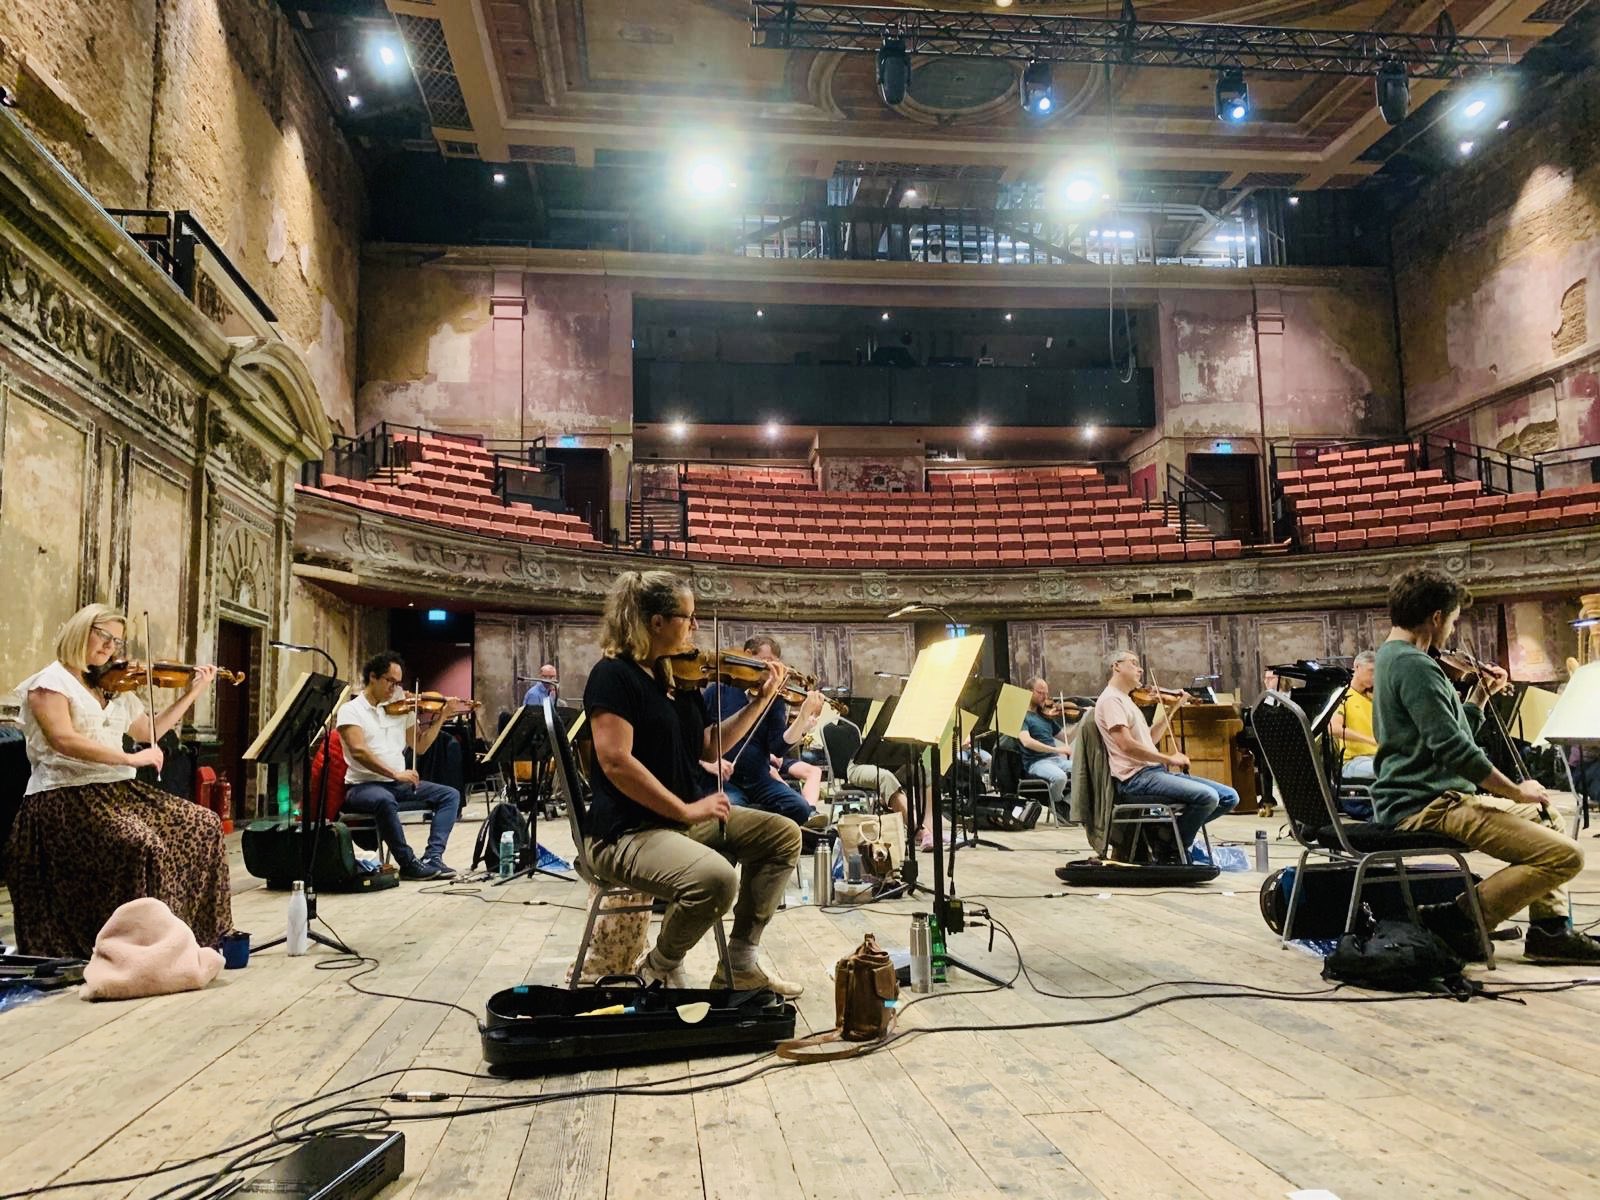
[(144, 950)]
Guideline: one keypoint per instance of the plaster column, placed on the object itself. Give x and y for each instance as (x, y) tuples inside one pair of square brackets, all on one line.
[(507, 310), (1269, 325)]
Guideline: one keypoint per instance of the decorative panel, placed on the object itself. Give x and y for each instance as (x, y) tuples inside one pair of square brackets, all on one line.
[(158, 546)]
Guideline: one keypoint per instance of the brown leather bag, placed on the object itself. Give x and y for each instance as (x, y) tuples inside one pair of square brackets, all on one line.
[(865, 996)]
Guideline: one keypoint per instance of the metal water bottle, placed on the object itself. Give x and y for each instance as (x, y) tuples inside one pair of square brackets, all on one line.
[(1262, 862), (921, 954), (822, 874), (294, 940)]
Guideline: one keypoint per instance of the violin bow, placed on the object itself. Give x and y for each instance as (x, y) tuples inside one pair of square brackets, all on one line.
[(150, 687), (716, 687), (1168, 734)]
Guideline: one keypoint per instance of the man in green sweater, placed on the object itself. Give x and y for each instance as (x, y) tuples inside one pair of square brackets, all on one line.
[(1433, 776)]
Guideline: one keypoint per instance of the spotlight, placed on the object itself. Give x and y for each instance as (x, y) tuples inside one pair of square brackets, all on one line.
[(773, 430), (1294, 201), (340, 74), (1504, 125), (388, 54), (1038, 93), (980, 431), (883, 317), (499, 178), (894, 71), (353, 101), (1090, 432), (909, 194), (1480, 106), (1393, 87), (1008, 316), (1474, 109), (680, 429), (1465, 148), (1232, 96), (760, 312), (1080, 191)]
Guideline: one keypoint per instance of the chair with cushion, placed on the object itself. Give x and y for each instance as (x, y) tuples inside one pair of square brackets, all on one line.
[(1321, 829), (574, 790)]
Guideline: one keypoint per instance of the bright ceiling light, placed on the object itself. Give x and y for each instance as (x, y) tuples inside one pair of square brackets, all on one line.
[(499, 178), (1126, 235), (353, 101), (1090, 432), (1473, 109), (1464, 148), (1294, 201), (1080, 191), (340, 74), (909, 194), (883, 316), (1504, 125), (1232, 96), (773, 430), (708, 177), (979, 432), (760, 312), (1008, 316), (680, 429)]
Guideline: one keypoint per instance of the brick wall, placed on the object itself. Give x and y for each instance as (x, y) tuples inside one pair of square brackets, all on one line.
[(206, 105), (1498, 280)]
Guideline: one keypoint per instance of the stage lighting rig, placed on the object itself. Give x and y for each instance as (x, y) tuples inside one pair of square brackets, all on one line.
[(1038, 90), (1394, 92), (894, 71), (1232, 96)]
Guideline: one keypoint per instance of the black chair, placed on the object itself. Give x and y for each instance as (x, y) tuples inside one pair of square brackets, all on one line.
[(574, 790), (842, 739), (1321, 829), (1005, 770)]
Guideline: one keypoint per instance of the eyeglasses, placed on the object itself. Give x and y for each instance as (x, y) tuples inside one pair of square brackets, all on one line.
[(115, 643), (689, 617)]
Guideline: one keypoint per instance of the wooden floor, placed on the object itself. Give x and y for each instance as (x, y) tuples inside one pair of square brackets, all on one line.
[(1204, 1098)]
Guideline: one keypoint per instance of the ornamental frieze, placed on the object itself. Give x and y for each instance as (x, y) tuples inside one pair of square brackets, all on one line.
[(41, 306), (442, 558), (239, 451), (535, 570), (373, 543)]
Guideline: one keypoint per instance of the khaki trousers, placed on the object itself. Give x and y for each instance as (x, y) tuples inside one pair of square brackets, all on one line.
[(1541, 858), (693, 870)]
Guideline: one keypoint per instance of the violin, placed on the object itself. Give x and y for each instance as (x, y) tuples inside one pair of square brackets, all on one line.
[(1145, 696), (696, 668), (1465, 670), (428, 702), (130, 675), (1060, 708)]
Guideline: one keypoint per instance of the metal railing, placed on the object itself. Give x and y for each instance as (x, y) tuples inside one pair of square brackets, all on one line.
[(173, 239), (1497, 470), (1199, 508)]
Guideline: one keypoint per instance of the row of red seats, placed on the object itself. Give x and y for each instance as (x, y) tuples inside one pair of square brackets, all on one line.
[(1364, 454), (967, 479), (478, 516), (1409, 531), (965, 555), (1065, 491), (1125, 507)]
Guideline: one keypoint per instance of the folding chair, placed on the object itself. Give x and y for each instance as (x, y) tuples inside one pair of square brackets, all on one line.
[(841, 740), (1321, 829), (573, 789)]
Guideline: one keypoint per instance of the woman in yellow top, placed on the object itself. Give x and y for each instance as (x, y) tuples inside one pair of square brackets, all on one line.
[(1351, 726)]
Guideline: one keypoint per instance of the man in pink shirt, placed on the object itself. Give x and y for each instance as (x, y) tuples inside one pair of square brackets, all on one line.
[(1142, 771)]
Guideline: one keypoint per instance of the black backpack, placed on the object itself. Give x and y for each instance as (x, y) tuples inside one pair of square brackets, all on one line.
[(1396, 956), (502, 818)]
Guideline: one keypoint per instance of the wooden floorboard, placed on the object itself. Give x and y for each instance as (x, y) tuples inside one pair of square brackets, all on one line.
[(1203, 1099)]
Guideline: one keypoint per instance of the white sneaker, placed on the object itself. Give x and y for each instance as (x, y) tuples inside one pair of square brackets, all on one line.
[(675, 978)]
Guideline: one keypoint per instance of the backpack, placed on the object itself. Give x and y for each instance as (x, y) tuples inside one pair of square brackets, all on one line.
[(1396, 956), (503, 817)]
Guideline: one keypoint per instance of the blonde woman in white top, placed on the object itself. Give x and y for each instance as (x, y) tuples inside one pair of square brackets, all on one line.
[(89, 836)]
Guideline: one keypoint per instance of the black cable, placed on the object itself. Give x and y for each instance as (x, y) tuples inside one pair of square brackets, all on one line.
[(365, 964)]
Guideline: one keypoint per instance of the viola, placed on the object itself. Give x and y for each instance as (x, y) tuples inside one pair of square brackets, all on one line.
[(1062, 709), (428, 702), (1146, 696), (130, 675)]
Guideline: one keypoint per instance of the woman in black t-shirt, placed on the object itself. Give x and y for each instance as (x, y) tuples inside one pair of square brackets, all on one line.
[(649, 827)]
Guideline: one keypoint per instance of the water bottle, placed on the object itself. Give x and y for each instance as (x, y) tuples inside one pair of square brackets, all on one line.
[(921, 954), (822, 874), (1261, 851), (508, 854), (936, 949), (295, 939)]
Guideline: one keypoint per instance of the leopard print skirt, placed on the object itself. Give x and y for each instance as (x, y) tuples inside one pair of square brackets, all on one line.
[(77, 853)]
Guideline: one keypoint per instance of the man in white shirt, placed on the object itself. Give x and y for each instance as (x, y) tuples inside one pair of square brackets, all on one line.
[(1142, 771), (376, 776)]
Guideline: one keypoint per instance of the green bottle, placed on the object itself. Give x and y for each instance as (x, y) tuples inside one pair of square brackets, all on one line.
[(283, 798), (936, 942)]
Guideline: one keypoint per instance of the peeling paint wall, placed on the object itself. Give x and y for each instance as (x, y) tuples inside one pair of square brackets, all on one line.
[(1497, 267), (206, 105)]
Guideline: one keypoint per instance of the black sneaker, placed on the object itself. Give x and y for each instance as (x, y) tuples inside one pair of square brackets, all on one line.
[(417, 871), (1569, 947), (1454, 928)]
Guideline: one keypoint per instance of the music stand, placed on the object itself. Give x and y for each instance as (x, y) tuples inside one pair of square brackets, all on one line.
[(893, 757), (524, 736), (1573, 722), (920, 721), (285, 745), (978, 701)]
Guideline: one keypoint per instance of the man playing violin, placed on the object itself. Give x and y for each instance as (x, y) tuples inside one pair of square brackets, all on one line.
[(1046, 754), (1141, 769), (1433, 777), (376, 777)]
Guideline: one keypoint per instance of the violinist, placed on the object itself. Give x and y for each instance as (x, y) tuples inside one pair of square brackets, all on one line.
[(652, 825), (1351, 726), (1046, 752), (1433, 777), (89, 836), (548, 684), (1142, 770), (376, 777)]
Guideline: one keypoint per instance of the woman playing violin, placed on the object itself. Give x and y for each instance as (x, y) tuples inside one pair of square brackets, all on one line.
[(652, 826), (89, 836)]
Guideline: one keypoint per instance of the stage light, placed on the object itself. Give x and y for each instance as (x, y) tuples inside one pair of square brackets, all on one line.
[(909, 194), (680, 429), (1504, 125), (1393, 88), (760, 312), (1232, 96), (1008, 316), (979, 432), (1038, 92), (883, 317), (353, 101), (1126, 235), (707, 177), (1464, 148), (773, 430), (499, 178), (388, 54), (1480, 106), (1294, 201), (1474, 109), (894, 71), (340, 74), (1090, 432), (1080, 191)]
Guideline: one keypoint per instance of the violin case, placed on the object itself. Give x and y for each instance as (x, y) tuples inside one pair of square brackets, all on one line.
[(1102, 873), (532, 1029), (1325, 895), (272, 852)]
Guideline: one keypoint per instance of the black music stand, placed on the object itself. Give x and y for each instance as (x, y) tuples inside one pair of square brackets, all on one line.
[(979, 697), (287, 744), (525, 737), (895, 757)]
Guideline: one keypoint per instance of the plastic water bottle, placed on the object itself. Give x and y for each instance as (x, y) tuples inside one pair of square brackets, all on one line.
[(508, 855), (295, 940), (936, 948), (1262, 863)]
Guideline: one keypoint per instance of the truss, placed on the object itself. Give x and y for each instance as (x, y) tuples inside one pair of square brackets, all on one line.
[(861, 28)]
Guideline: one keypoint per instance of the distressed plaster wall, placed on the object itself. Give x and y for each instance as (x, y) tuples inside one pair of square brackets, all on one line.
[(1497, 269), (206, 105)]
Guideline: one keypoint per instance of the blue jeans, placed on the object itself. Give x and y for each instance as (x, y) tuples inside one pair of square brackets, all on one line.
[(1201, 800), (1057, 772), (382, 802), (1360, 769), (769, 795)]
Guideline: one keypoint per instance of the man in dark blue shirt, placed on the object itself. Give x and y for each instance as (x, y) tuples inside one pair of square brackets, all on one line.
[(1044, 754), (749, 781)]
